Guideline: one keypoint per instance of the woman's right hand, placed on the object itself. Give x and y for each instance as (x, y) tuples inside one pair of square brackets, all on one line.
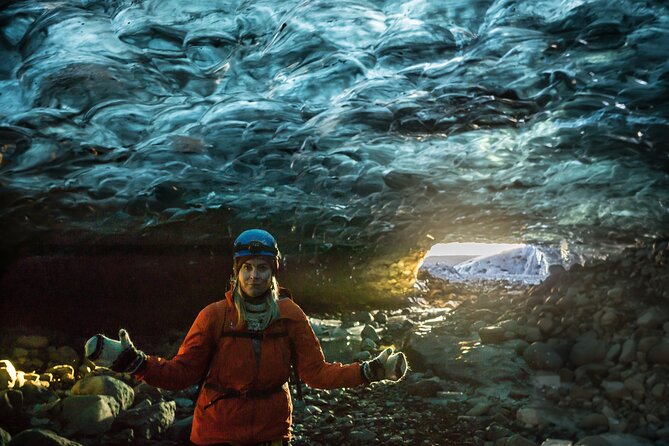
[(120, 356)]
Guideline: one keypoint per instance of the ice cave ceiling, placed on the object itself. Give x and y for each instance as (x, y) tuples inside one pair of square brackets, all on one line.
[(359, 132)]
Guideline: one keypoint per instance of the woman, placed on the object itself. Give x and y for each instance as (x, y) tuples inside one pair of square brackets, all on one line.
[(244, 346)]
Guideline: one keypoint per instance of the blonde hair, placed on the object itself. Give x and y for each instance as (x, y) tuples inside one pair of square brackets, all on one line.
[(272, 300)]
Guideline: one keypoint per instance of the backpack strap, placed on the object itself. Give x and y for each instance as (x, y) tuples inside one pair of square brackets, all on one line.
[(284, 293), (221, 328)]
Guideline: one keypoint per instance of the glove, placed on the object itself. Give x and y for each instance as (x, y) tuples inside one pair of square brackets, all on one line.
[(387, 365), (120, 356)]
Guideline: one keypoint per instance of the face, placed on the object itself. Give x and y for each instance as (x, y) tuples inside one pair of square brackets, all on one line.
[(255, 276)]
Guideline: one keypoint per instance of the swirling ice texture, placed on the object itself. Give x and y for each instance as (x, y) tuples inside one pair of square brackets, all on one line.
[(346, 122)]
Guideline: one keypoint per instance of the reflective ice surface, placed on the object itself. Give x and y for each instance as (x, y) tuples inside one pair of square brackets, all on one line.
[(348, 122)]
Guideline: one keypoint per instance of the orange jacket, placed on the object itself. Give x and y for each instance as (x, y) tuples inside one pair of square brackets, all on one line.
[(234, 366)]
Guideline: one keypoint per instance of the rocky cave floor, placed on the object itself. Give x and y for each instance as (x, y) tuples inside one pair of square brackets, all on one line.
[(581, 359)]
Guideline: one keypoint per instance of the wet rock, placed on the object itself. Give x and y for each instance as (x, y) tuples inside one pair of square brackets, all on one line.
[(7, 374), (628, 352), (652, 318), (541, 356), (369, 332), (62, 372), (144, 391), (105, 385), (362, 436), (594, 421), (425, 388), (149, 420), (658, 390), (40, 437), (659, 354), (36, 394), (493, 334), (519, 440), (614, 389), (364, 317), (635, 384), (451, 357), (495, 432), (615, 293), (32, 342), (88, 414), (647, 342), (368, 345), (123, 437), (381, 317), (613, 440), (530, 416), (11, 404), (479, 408), (4, 437), (609, 318), (588, 350), (533, 334), (180, 430), (546, 379), (614, 352)]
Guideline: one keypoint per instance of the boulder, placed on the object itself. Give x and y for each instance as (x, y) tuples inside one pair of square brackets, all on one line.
[(613, 440), (496, 431), (122, 437), (425, 387), (541, 356), (628, 352), (88, 414), (479, 408), (615, 389), (493, 334), (659, 354), (530, 416), (11, 404), (594, 421), (144, 391), (368, 345), (106, 385), (362, 436), (180, 430), (40, 437), (452, 357), (149, 420), (381, 318), (588, 350), (7, 374), (609, 318), (369, 332), (34, 393), (364, 317), (652, 318), (5, 438), (62, 372), (519, 440)]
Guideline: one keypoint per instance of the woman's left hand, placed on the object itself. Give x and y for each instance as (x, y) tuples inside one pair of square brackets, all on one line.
[(388, 365)]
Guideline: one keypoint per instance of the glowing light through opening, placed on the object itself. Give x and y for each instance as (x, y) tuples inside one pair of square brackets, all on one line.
[(469, 249)]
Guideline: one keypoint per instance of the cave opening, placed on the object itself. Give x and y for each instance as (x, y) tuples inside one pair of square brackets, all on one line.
[(515, 262)]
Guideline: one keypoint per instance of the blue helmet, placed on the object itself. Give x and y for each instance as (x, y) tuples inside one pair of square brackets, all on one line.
[(256, 242)]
